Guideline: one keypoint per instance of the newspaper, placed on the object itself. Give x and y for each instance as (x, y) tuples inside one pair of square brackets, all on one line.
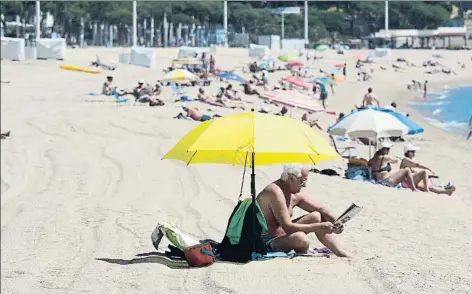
[(350, 213)]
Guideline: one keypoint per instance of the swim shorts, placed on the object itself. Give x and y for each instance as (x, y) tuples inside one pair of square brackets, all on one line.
[(205, 117), (268, 243)]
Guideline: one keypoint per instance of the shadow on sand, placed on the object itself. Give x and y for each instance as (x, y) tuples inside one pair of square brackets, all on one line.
[(150, 257)]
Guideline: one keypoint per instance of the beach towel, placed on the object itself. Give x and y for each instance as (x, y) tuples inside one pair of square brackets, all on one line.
[(292, 99), (313, 252)]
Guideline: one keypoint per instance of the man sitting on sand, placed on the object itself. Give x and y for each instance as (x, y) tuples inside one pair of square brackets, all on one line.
[(108, 88), (142, 92), (409, 162), (370, 99), (250, 89), (230, 93), (277, 202), (195, 114), (382, 170)]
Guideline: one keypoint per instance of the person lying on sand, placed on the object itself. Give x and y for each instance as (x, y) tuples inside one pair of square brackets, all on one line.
[(202, 97), (277, 202), (4, 135), (409, 163), (195, 114), (382, 170)]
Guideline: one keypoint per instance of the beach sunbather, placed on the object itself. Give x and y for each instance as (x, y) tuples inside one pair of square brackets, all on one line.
[(409, 162), (383, 174), (277, 202), (195, 114), (108, 88), (142, 92), (250, 89), (202, 97), (230, 93)]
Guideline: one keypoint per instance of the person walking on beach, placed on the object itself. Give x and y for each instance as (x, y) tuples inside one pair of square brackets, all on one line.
[(470, 127), (370, 99), (425, 89)]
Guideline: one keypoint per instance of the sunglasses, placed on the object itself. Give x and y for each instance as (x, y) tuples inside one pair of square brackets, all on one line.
[(302, 181)]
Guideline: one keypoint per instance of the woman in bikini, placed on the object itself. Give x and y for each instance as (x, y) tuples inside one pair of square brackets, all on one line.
[(409, 163), (382, 170)]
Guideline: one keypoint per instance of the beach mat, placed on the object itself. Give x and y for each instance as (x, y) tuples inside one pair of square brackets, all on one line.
[(314, 252)]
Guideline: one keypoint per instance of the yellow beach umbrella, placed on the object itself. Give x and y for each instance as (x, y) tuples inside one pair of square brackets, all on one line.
[(287, 57), (252, 137), (187, 61), (179, 75)]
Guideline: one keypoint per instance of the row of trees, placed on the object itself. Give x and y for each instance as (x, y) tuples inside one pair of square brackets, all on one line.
[(350, 19)]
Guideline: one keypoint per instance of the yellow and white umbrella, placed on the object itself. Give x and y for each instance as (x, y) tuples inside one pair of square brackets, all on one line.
[(180, 75)]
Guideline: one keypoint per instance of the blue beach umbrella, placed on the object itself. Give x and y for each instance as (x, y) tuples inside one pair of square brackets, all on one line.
[(231, 76), (413, 128)]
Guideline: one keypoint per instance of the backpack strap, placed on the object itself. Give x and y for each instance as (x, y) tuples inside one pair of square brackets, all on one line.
[(207, 252), (242, 182)]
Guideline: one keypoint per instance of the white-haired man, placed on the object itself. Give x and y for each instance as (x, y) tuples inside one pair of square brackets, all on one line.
[(277, 201)]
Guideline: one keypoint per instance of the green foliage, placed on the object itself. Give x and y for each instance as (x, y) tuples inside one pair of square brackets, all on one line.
[(325, 17)]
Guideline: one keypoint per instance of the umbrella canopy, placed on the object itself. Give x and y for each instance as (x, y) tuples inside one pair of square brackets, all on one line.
[(287, 57), (234, 138), (413, 128), (180, 75), (225, 75), (294, 63), (296, 81), (368, 123), (268, 58), (322, 47), (325, 80)]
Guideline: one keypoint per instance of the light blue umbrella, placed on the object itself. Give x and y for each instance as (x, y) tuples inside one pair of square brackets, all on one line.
[(231, 76), (413, 128)]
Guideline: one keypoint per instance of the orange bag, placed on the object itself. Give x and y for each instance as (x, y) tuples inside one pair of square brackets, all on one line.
[(199, 255)]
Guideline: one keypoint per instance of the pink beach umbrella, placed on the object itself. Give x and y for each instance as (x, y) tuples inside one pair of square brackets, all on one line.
[(294, 63), (296, 81)]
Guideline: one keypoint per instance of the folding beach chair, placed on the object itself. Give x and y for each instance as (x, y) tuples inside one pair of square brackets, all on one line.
[(119, 100), (177, 91)]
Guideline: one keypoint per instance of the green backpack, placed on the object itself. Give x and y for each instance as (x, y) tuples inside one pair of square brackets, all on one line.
[(241, 239)]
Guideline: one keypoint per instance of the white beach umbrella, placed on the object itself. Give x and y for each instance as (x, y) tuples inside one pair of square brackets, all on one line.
[(370, 124)]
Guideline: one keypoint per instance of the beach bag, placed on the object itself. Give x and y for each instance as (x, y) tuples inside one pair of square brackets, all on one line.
[(199, 255), (241, 239)]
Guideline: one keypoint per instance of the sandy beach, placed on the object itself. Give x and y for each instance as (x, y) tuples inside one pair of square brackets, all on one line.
[(83, 186)]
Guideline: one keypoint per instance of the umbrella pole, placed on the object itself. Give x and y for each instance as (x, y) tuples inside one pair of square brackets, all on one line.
[(253, 195)]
